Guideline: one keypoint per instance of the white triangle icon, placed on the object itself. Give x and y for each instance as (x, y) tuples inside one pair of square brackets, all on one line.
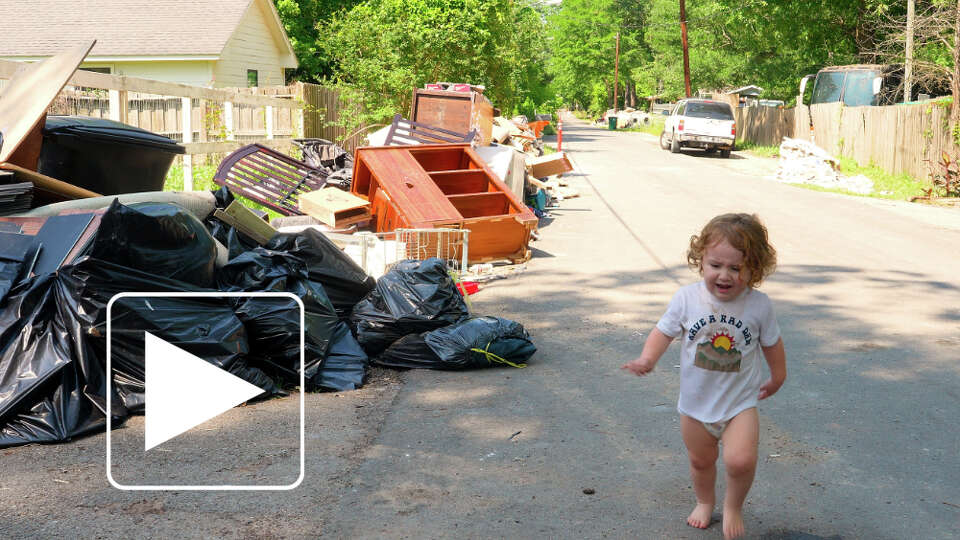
[(183, 391)]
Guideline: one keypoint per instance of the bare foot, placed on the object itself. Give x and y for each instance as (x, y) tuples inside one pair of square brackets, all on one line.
[(700, 517), (732, 524)]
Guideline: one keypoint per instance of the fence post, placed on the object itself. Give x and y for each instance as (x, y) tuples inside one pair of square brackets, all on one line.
[(269, 121), (228, 120), (118, 105), (187, 115)]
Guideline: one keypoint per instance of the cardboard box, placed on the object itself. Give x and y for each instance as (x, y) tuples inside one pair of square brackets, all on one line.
[(549, 165), (335, 207)]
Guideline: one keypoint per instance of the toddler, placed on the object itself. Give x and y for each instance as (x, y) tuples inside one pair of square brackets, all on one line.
[(723, 324)]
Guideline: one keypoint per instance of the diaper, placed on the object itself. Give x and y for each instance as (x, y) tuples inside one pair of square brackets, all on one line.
[(715, 428)]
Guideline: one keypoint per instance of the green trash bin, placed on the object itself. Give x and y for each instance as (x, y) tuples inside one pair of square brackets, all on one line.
[(612, 122)]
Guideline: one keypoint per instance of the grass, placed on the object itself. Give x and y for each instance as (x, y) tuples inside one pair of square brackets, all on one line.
[(203, 181), (759, 149), (885, 185)]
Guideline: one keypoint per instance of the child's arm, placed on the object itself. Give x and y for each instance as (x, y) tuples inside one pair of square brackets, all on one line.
[(653, 349), (777, 361)]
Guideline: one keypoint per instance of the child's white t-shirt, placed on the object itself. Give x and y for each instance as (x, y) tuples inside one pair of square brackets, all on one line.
[(720, 355)]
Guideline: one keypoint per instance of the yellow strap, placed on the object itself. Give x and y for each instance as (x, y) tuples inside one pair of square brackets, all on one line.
[(494, 358)]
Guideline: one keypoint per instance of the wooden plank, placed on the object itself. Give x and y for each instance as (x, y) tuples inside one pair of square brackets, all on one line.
[(549, 165), (105, 81), (223, 147), (245, 221), (334, 207), (27, 97)]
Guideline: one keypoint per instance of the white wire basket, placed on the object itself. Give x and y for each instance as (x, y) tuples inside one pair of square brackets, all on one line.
[(378, 252)]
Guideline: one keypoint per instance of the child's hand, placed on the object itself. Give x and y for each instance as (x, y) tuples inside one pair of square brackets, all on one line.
[(638, 366), (769, 388)]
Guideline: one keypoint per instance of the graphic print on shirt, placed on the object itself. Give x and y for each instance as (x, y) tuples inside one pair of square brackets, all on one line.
[(718, 353)]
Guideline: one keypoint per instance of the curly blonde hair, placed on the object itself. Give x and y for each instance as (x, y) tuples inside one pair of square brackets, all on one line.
[(746, 233)]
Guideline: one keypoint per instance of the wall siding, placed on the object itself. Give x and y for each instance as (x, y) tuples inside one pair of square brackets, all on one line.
[(250, 47), (194, 73)]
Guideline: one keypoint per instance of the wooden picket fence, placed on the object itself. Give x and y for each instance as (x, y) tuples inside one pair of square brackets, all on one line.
[(897, 138)]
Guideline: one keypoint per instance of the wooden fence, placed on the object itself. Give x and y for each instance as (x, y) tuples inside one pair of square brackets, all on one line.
[(896, 138), (322, 108), (205, 121)]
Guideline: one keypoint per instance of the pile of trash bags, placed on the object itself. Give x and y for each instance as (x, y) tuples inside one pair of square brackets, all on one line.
[(53, 327), (416, 318)]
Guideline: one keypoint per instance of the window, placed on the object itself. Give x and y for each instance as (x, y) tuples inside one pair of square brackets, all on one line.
[(252, 79), (97, 69), (712, 110)]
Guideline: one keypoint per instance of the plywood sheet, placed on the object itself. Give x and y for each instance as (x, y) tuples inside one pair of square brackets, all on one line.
[(30, 92)]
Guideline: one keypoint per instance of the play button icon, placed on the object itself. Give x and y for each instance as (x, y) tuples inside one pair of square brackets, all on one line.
[(184, 391), (177, 445)]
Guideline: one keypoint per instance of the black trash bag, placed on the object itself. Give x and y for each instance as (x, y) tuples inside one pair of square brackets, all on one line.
[(323, 154), (345, 366), (343, 280), (273, 326), (274, 323), (16, 260), (342, 179), (204, 327), (413, 297), (162, 239), (52, 378), (474, 343), (235, 241)]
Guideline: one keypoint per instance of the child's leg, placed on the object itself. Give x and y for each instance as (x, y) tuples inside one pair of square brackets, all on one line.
[(740, 460), (702, 451)]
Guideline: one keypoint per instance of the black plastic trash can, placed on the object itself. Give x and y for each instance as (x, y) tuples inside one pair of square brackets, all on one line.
[(105, 156)]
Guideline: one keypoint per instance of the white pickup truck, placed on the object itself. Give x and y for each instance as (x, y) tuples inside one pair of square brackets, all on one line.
[(700, 123)]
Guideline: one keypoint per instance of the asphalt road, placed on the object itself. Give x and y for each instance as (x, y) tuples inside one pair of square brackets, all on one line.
[(861, 442)]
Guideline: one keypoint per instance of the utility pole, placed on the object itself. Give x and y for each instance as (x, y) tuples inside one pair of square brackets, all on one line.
[(908, 67), (955, 80), (616, 73), (683, 37)]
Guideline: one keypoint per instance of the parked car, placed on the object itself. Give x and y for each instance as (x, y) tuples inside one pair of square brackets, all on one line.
[(700, 123)]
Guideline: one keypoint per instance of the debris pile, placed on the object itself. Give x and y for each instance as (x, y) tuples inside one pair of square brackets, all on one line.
[(95, 275), (802, 162), (626, 118)]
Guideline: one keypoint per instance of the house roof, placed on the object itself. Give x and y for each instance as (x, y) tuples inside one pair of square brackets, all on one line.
[(749, 90), (123, 28)]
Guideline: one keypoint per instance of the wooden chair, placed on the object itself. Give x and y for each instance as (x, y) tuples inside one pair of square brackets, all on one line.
[(269, 177), (405, 132)]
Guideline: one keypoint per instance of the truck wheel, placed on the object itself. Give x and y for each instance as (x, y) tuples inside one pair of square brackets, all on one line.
[(663, 140), (724, 153), (674, 144)]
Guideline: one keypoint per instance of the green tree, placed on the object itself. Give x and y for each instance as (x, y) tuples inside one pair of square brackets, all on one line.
[(382, 49), (300, 20), (582, 50)]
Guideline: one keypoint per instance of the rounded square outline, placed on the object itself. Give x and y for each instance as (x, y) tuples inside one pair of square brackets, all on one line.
[(109, 368)]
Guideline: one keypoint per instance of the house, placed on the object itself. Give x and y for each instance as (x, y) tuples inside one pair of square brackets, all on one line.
[(746, 95), (211, 43)]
